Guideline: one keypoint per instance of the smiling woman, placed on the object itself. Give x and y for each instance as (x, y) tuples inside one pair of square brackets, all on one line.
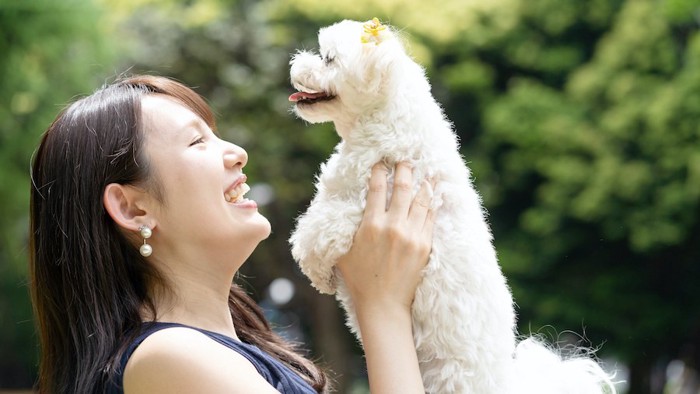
[(138, 166), (139, 152)]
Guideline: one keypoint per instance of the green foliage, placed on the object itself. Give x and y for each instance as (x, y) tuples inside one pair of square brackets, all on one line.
[(51, 50), (682, 11), (604, 161)]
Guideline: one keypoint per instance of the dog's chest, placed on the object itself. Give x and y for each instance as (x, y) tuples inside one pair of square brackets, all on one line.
[(345, 176)]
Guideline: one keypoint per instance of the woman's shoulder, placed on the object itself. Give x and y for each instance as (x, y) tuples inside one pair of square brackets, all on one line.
[(182, 359)]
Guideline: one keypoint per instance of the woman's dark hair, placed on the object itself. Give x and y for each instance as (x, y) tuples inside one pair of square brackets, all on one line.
[(88, 281)]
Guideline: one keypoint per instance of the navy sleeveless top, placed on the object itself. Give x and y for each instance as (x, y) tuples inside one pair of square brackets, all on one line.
[(277, 374)]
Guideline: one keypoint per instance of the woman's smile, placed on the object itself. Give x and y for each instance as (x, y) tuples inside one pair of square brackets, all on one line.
[(234, 194)]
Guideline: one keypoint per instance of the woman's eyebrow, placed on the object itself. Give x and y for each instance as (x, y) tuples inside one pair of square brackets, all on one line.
[(199, 125), (184, 131), (195, 123)]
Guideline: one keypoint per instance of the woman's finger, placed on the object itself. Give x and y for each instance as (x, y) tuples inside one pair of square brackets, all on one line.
[(403, 190), (421, 205), (429, 224), (376, 193)]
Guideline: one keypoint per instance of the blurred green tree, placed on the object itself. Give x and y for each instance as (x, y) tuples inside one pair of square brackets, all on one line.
[(586, 149), (51, 51)]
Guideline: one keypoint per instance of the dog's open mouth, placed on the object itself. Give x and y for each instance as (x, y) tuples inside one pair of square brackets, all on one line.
[(310, 98)]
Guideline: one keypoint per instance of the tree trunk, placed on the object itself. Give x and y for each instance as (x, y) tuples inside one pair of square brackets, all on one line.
[(639, 379), (330, 337)]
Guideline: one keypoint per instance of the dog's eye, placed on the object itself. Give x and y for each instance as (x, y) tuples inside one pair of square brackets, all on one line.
[(328, 60)]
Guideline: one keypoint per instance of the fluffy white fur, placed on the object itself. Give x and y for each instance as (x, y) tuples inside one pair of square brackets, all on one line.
[(463, 315)]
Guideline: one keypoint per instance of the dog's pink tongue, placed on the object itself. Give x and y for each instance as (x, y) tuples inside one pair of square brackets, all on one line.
[(303, 95)]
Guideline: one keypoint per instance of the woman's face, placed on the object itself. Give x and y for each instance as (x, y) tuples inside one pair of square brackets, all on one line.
[(200, 176)]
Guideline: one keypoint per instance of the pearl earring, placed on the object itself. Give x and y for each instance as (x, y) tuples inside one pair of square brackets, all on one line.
[(146, 233)]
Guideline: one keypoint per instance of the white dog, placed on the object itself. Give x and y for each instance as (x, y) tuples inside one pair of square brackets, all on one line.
[(463, 315)]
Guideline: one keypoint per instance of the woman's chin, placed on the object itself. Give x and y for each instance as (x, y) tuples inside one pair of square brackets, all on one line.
[(259, 228), (266, 230)]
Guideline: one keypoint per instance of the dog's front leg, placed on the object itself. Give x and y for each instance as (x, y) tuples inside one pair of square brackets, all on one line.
[(323, 234)]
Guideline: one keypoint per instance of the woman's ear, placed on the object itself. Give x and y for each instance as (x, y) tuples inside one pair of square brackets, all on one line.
[(125, 205)]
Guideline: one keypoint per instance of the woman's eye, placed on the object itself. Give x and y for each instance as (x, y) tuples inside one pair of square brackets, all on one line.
[(197, 141)]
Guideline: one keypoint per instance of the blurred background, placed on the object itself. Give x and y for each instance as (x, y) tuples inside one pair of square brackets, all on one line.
[(580, 121)]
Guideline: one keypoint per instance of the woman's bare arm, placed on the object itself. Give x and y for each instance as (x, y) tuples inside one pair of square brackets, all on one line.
[(382, 271)]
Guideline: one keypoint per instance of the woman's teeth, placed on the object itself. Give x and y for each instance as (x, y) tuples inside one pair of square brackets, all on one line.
[(236, 194)]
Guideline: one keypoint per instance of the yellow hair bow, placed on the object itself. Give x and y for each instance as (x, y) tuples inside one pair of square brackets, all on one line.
[(372, 32)]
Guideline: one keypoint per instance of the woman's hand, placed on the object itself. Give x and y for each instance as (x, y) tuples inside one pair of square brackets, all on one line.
[(392, 243), (382, 270)]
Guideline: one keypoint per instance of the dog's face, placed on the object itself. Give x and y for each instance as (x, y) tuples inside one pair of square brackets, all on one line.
[(351, 74)]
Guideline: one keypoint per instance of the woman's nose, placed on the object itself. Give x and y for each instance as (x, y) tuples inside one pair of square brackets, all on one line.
[(234, 155)]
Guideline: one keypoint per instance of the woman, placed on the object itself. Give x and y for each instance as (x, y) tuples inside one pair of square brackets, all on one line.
[(138, 226)]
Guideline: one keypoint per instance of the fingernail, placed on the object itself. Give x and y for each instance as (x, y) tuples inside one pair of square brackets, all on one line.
[(431, 180), (431, 188)]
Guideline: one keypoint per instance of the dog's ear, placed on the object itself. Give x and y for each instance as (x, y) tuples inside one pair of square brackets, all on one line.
[(381, 62)]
